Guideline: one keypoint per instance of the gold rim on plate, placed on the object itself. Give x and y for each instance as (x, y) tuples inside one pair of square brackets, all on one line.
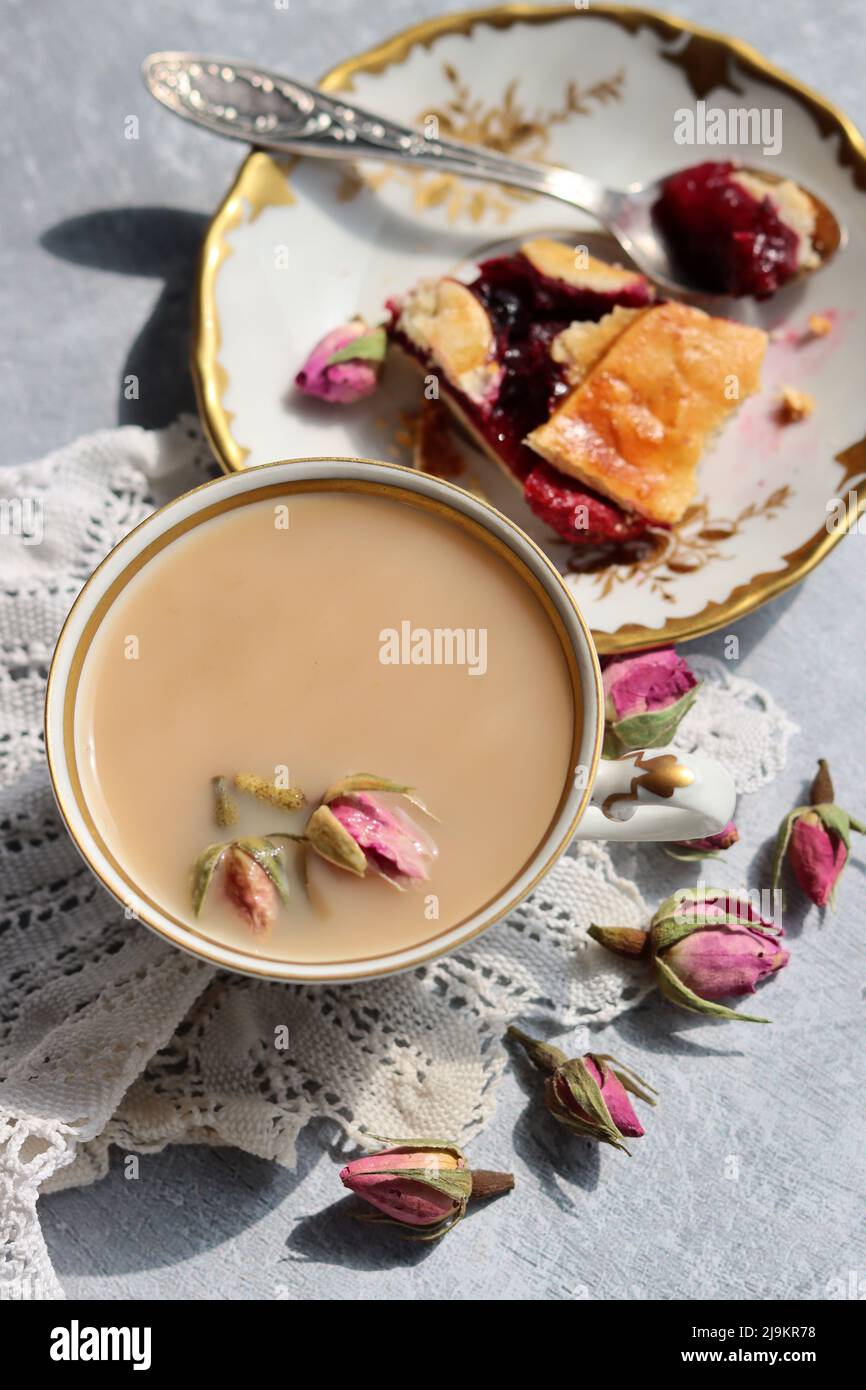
[(261, 183)]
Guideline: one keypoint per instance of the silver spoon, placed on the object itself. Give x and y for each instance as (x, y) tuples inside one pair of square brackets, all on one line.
[(277, 113)]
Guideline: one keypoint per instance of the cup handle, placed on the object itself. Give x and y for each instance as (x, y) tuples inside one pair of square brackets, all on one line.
[(658, 794)]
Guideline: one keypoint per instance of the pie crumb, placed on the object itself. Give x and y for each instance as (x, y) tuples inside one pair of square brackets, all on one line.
[(795, 405), (820, 325)]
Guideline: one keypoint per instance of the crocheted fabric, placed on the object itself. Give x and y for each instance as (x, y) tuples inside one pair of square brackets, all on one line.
[(109, 1036)]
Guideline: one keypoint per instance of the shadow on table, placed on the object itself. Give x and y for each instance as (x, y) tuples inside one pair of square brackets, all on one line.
[(656, 1025), (339, 1234), (555, 1156), (188, 1199), (561, 1161), (750, 630), (336, 1235), (158, 243)]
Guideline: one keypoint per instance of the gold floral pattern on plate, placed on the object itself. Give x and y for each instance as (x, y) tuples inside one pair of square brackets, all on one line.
[(506, 127), (685, 548)]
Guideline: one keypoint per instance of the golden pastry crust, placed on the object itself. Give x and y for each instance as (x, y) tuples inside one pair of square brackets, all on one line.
[(560, 262), (579, 346), (636, 427), (447, 322)]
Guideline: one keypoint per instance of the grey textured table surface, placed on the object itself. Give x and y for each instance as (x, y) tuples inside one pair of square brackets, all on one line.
[(100, 236)]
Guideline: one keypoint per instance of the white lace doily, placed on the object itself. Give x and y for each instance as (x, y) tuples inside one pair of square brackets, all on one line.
[(754, 744), (108, 1036)]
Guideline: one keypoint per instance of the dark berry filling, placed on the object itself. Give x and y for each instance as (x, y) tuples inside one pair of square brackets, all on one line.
[(574, 512), (728, 240), (541, 297), (528, 310)]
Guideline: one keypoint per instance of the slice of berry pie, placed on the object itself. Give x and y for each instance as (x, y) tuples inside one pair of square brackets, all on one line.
[(596, 399), (637, 424)]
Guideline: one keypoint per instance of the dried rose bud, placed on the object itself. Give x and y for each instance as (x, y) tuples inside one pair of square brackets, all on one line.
[(715, 962), (707, 848), (250, 891), (356, 831), (329, 839), (817, 839), (422, 1183), (589, 1094), (345, 364), (254, 880), (818, 856), (646, 696), (704, 946)]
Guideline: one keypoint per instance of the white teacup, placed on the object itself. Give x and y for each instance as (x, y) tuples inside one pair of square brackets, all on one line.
[(649, 795)]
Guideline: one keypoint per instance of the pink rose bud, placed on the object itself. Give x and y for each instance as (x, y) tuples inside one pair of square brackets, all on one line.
[(716, 963), (711, 945), (703, 946), (707, 848), (388, 840), (345, 364), (817, 839), (250, 891), (357, 830), (254, 880), (589, 1095), (818, 856), (646, 696), (424, 1183)]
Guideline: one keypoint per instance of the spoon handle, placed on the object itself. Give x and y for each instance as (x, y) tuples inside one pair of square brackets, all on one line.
[(279, 113)]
